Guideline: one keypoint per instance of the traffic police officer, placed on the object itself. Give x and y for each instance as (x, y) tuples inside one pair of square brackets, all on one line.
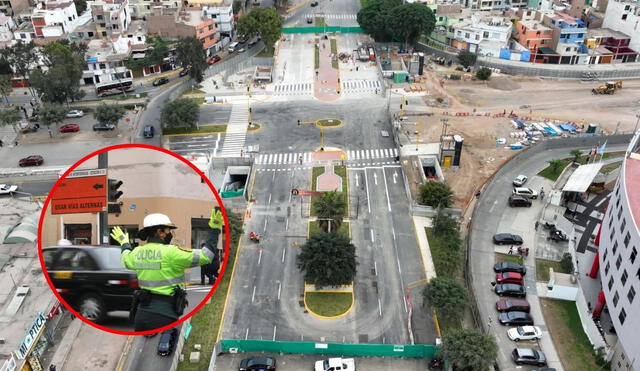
[(160, 267)]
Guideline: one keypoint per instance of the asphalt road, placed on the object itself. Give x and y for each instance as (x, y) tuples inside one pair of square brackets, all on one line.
[(488, 217)]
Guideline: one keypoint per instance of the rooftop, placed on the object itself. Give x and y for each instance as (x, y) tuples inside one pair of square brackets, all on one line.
[(534, 25), (632, 180), (605, 32), (56, 5), (192, 16)]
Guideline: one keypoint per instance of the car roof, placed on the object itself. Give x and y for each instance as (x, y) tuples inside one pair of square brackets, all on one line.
[(260, 361), (526, 352), (517, 314), (511, 274), (529, 328), (518, 302), (521, 176), (511, 286)]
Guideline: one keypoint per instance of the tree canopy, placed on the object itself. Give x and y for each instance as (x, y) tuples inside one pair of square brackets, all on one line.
[(263, 21), (468, 349), (374, 18), (61, 81), (411, 20), (158, 51), (330, 208), (483, 74), (190, 53), (109, 114), (466, 58), (81, 6), (5, 86), (328, 259), (52, 113), (182, 112), (446, 295), (436, 194), (9, 116), (21, 57)]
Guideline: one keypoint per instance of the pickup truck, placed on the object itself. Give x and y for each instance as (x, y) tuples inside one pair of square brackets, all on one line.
[(336, 364)]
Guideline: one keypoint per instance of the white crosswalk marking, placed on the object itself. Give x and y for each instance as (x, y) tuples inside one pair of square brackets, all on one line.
[(332, 16), (236, 130), (361, 86), (293, 89), (381, 155)]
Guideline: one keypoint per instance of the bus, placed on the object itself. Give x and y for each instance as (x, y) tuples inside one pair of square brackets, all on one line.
[(114, 88)]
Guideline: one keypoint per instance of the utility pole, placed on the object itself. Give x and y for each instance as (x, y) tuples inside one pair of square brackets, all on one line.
[(637, 121), (103, 228)]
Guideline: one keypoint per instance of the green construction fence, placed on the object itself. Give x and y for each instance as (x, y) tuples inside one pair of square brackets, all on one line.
[(306, 347), (322, 29)]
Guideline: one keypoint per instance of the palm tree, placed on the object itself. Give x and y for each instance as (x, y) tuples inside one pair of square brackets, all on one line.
[(330, 208), (576, 153)]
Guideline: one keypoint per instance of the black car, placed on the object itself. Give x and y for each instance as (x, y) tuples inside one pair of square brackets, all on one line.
[(103, 127), (510, 267), (507, 239), (528, 356), (160, 81), (258, 364), (167, 341), (184, 72), (314, 4), (510, 289), (148, 131), (516, 319), (519, 201), (91, 279)]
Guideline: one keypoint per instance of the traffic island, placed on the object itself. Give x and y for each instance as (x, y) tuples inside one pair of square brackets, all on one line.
[(328, 303), (329, 178), (314, 228), (254, 127), (328, 123), (202, 129)]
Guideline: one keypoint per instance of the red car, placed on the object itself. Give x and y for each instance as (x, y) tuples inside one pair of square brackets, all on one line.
[(33, 160), (511, 305), (215, 59), (509, 277), (69, 128)]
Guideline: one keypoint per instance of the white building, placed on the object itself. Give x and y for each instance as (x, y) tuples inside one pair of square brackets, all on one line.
[(222, 16), (619, 263), (7, 25), (624, 16), (106, 62), (111, 17), (485, 35), (54, 19), (143, 8)]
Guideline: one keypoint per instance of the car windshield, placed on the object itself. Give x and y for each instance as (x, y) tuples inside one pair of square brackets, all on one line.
[(109, 257), (521, 331)]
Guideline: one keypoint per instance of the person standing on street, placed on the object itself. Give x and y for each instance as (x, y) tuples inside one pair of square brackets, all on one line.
[(160, 266), (207, 270)]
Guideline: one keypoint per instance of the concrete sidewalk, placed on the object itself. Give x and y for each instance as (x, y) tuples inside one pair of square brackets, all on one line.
[(420, 224), (61, 354)]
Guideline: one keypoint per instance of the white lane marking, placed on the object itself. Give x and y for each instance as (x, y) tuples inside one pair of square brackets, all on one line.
[(253, 296), (393, 232), (492, 206), (269, 202), (279, 289), (246, 334), (366, 182), (274, 333), (357, 181), (373, 238), (265, 224), (286, 227), (386, 190), (375, 178), (284, 251), (395, 177), (375, 268), (260, 257), (379, 307)]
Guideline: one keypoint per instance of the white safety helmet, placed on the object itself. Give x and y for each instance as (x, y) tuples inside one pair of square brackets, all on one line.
[(64, 242), (153, 220)]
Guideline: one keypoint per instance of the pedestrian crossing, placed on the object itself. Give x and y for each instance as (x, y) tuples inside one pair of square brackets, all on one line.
[(236, 130), (294, 158), (332, 16), (361, 86), (305, 88)]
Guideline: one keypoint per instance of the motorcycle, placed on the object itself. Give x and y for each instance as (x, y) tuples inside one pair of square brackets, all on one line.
[(254, 237), (436, 364), (557, 236)]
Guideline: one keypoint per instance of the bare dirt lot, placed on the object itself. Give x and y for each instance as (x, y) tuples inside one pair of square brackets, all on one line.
[(526, 96)]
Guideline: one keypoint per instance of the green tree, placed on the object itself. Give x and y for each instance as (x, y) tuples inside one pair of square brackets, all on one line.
[(468, 349), (264, 21), (374, 18), (556, 165), (445, 225), (328, 259), (52, 114), (235, 226), (411, 20), (466, 59), (436, 194), (61, 81), (5, 86), (107, 114), (81, 6), (5, 66), (183, 112), (330, 208), (446, 295), (566, 263), (10, 116), (157, 52), (576, 153), (22, 58), (483, 73), (190, 53)]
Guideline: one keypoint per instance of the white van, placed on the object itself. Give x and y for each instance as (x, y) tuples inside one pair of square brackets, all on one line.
[(233, 46)]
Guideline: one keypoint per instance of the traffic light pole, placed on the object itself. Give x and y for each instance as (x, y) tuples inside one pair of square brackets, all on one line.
[(103, 228)]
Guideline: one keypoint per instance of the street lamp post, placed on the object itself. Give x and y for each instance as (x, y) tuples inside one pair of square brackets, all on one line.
[(635, 129)]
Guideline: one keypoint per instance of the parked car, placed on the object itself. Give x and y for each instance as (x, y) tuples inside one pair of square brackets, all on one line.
[(509, 277), (167, 341), (510, 305), (184, 72), (254, 41), (309, 20), (556, 235), (103, 127), (528, 356), (510, 289), (519, 201), (520, 180), (91, 279), (526, 192), (160, 81), (6, 189), (314, 4), (510, 267), (148, 131), (69, 128), (524, 332), (30, 128), (507, 239), (332, 364), (241, 50), (258, 363), (215, 59), (33, 160), (515, 319), (75, 113)]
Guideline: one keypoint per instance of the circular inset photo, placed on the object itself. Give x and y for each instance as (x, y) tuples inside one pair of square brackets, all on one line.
[(133, 239)]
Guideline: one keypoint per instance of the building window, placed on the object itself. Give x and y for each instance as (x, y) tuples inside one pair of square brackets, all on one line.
[(613, 232), (90, 34), (616, 297), (103, 66), (104, 33), (610, 221), (467, 35), (606, 269), (623, 225), (99, 17), (624, 277), (633, 255), (485, 35), (477, 37), (604, 257), (201, 30), (70, 19), (211, 37), (622, 316), (619, 213), (618, 262), (624, 17), (631, 295), (627, 237), (610, 284), (210, 27), (615, 247)]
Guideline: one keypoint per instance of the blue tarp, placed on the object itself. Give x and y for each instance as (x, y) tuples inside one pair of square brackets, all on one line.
[(550, 131), (567, 127)]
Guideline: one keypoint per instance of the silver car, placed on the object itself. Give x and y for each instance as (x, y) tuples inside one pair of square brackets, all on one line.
[(520, 180), (75, 113)]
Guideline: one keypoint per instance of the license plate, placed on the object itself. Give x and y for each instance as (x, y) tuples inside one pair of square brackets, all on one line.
[(63, 275)]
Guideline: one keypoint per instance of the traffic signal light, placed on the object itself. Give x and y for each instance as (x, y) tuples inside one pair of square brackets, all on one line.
[(249, 109), (298, 122), (113, 193)]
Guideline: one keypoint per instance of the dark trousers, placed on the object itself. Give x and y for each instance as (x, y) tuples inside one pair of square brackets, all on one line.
[(150, 321), (208, 271)]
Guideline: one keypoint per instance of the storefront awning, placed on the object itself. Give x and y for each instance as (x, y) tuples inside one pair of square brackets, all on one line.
[(582, 178)]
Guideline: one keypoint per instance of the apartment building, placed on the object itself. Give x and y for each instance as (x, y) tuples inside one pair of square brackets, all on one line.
[(533, 35), (13, 7), (624, 16), (222, 16), (106, 63), (174, 23), (52, 19), (483, 34), (7, 25), (111, 17)]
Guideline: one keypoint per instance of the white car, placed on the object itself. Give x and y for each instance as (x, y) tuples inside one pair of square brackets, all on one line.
[(7, 189), (524, 333), (520, 180), (75, 113), (335, 364), (526, 192)]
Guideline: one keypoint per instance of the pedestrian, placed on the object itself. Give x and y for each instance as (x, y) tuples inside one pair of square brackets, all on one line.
[(207, 270), (300, 160), (511, 250), (160, 266), (1, 143), (52, 367), (15, 143), (537, 224), (50, 133)]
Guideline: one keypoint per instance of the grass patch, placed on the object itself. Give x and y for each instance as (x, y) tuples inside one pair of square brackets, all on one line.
[(340, 171), (319, 22), (316, 61), (132, 96), (314, 228), (445, 260), (606, 169), (193, 91), (315, 173), (548, 172), (573, 345), (329, 123), (508, 258), (542, 269), (266, 53), (199, 100), (334, 46), (329, 304), (203, 129)]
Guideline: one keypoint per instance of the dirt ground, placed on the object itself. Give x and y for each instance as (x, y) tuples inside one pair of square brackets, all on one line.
[(526, 96)]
